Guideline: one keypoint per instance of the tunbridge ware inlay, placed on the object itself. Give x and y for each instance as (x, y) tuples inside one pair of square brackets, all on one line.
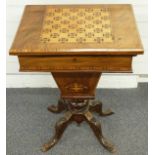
[(77, 25)]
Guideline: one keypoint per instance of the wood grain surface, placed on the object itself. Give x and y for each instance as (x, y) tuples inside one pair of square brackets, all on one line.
[(76, 45), (126, 40), (76, 63), (77, 85)]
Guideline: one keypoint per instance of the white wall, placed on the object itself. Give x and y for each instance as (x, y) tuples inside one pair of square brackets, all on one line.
[(20, 79)]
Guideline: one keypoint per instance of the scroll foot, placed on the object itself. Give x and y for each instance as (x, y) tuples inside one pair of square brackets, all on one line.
[(96, 106), (59, 129), (96, 127), (57, 109)]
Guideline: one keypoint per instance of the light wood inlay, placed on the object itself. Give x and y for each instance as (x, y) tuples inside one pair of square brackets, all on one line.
[(76, 43), (77, 30), (77, 25)]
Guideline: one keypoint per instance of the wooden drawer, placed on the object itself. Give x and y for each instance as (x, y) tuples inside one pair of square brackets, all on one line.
[(76, 63)]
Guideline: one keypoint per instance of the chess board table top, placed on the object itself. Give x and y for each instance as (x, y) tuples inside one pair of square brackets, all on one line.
[(77, 30)]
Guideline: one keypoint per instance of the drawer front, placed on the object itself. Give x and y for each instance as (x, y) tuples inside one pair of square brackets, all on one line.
[(78, 63)]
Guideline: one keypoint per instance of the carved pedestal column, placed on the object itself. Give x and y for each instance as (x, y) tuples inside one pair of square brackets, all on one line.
[(77, 94)]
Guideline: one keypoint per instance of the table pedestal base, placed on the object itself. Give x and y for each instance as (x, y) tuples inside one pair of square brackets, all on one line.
[(79, 111)]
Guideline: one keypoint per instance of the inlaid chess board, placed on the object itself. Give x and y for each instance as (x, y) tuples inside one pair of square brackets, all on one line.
[(77, 25), (77, 30), (77, 43)]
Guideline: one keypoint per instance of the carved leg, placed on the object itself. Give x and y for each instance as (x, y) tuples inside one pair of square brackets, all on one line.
[(59, 129), (96, 106), (57, 109), (96, 127)]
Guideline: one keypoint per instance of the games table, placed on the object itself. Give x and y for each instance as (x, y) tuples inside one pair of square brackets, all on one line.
[(77, 43)]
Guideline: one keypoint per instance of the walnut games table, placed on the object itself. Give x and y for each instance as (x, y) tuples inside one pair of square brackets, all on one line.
[(76, 43)]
